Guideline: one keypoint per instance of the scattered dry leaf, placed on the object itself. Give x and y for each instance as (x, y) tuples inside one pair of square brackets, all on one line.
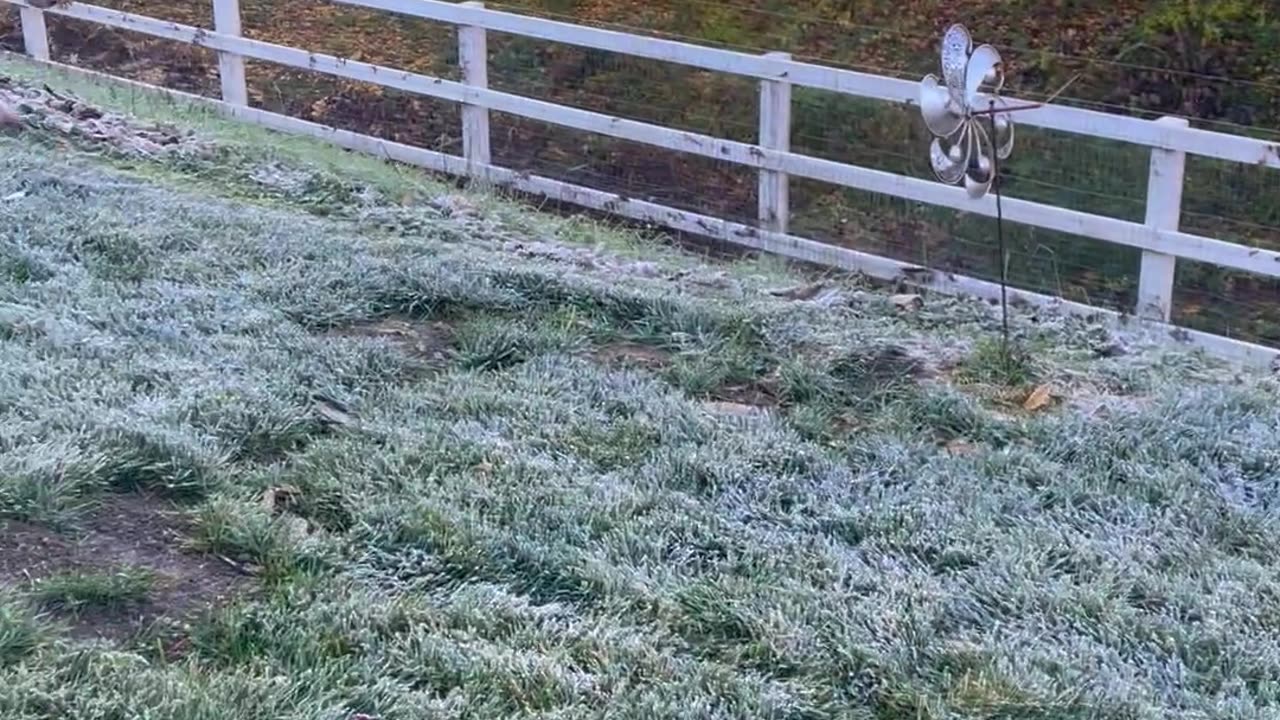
[(1038, 399)]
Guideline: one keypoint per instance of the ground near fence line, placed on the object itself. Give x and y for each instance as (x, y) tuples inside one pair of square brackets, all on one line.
[(288, 432)]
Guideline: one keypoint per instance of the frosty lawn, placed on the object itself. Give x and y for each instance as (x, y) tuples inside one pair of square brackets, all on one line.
[(435, 455)]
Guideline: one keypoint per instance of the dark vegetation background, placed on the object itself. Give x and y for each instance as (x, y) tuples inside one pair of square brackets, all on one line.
[(1215, 61)]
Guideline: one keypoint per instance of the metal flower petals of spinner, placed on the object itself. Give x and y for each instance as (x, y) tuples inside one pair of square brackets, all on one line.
[(956, 109)]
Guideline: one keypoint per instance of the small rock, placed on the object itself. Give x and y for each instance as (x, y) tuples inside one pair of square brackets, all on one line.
[(331, 411), (908, 302), (1111, 349), (831, 297), (9, 117), (645, 269)]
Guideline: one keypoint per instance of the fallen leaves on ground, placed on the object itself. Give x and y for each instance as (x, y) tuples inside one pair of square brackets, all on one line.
[(1039, 399)]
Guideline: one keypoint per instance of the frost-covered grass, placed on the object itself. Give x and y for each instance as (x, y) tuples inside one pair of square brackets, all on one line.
[(526, 525), (90, 589)]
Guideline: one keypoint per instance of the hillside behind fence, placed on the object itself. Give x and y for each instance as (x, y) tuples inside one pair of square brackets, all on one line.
[(663, 117)]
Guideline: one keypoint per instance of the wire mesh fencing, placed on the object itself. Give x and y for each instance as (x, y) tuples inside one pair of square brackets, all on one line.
[(1047, 52)]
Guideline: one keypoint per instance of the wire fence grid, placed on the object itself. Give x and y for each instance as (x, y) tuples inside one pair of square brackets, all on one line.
[(1224, 200)]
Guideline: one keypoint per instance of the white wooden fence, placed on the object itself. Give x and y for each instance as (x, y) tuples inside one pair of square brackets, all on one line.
[(1159, 238)]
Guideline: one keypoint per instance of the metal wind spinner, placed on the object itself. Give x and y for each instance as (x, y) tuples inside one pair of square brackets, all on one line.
[(964, 146), (970, 141)]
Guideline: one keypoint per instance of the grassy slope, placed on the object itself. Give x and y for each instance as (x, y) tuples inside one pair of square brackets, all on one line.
[(1228, 201), (525, 531)]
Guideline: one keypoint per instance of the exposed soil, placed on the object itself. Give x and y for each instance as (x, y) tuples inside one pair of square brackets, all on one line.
[(744, 400), (633, 354), (429, 342), (756, 395), (133, 530), (889, 363)]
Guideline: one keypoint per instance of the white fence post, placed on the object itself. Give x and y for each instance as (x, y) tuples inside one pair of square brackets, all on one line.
[(35, 34), (226, 20), (1164, 212), (473, 57), (775, 134)]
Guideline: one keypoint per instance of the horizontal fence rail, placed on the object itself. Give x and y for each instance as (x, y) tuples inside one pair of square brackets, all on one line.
[(820, 77), (1170, 140)]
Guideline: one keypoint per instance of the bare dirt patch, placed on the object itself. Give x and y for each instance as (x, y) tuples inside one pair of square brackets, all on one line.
[(126, 531), (879, 366), (633, 354), (742, 400), (428, 341), (759, 395)]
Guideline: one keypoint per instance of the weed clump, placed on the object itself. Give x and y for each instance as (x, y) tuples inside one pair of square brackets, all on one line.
[(22, 630), (996, 362), (107, 590)]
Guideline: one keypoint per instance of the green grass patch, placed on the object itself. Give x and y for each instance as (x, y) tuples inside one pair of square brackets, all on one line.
[(104, 590), (995, 361), (22, 630)]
